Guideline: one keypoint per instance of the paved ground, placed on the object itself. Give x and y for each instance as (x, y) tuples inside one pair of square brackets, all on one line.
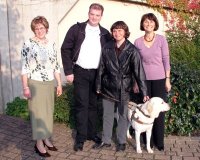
[(16, 143)]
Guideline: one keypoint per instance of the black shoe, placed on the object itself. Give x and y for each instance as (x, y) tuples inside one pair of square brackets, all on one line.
[(96, 139), (101, 145), (78, 146), (50, 148), (160, 148), (41, 154), (121, 147)]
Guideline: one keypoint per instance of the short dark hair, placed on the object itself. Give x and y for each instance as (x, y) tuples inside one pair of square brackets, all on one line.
[(96, 6), (121, 25), (37, 20), (149, 16)]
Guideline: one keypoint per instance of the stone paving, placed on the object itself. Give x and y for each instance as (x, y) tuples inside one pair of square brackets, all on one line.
[(16, 144)]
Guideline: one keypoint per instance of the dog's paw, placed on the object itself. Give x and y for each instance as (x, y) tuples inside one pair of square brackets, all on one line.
[(149, 150), (139, 151), (129, 136)]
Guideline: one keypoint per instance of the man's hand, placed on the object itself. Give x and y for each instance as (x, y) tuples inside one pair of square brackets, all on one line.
[(70, 78)]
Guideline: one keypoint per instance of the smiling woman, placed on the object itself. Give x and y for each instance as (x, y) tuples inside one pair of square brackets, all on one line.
[(155, 59), (39, 68), (119, 66)]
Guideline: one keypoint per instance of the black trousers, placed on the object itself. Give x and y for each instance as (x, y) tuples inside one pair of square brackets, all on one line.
[(85, 103), (156, 88)]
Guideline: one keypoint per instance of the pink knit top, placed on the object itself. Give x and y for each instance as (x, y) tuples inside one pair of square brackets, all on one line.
[(155, 59)]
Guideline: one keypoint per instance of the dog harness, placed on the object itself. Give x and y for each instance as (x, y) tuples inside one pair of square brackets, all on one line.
[(137, 119)]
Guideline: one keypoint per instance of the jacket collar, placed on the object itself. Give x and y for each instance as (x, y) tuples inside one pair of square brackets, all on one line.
[(83, 26)]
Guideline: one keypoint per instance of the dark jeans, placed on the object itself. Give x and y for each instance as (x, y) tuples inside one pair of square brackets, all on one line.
[(85, 103), (156, 88)]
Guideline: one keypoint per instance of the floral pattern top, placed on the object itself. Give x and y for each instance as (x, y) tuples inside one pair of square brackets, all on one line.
[(39, 61)]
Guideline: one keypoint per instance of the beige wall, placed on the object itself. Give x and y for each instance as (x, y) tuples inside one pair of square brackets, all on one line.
[(16, 16), (114, 11)]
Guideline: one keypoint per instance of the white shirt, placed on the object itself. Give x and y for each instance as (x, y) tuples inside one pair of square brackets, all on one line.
[(90, 51)]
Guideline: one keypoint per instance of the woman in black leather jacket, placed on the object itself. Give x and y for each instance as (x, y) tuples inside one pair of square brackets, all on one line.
[(120, 65)]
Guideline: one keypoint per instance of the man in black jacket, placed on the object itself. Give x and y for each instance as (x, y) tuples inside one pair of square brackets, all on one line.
[(81, 51)]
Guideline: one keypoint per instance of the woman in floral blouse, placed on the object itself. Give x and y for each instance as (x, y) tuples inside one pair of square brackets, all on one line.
[(39, 67)]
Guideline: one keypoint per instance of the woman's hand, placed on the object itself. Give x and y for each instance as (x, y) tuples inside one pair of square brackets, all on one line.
[(59, 90), (136, 88), (145, 98), (168, 85), (27, 92)]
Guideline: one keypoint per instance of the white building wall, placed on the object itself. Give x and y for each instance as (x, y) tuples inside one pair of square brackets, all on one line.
[(16, 16), (114, 11)]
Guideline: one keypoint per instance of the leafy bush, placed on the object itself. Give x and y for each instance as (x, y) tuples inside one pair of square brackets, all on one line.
[(18, 108), (184, 116), (62, 111), (64, 107), (184, 46)]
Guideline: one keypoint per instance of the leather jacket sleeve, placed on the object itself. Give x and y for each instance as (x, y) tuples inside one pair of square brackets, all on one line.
[(138, 72), (99, 75)]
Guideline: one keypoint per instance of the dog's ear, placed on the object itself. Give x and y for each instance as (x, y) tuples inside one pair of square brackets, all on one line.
[(149, 107), (132, 105)]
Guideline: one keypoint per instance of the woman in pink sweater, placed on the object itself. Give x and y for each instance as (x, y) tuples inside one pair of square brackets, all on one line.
[(154, 53)]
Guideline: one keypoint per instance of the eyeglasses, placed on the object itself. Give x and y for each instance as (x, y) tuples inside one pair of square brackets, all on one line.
[(40, 29)]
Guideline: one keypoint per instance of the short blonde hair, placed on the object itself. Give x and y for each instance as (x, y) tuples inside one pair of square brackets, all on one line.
[(39, 19), (97, 6)]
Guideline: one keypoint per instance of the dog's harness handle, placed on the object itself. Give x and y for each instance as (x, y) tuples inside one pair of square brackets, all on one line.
[(142, 112)]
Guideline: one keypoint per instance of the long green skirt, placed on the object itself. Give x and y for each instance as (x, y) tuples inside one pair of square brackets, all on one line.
[(41, 107)]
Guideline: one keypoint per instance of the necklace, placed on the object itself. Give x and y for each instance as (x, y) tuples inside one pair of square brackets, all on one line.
[(145, 38), (41, 41)]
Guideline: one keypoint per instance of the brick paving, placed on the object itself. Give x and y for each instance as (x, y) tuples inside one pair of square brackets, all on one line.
[(16, 144)]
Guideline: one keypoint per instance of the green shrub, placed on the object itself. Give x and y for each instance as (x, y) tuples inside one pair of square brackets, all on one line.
[(184, 116), (18, 108), (184, 46), (62, 112), (64, 107)]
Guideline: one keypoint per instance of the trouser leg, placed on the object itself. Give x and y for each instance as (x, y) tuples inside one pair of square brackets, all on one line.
[(92, 110), (81, 98), (122, 125), (158, 130), (108, 120), (156, 88)]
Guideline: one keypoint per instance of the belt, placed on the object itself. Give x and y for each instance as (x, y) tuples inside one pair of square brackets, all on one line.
[(86, 69)]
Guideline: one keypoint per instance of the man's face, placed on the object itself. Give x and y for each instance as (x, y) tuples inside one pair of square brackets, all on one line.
[(94, 17)]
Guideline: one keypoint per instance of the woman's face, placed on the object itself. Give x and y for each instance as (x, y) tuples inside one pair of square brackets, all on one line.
[(118, 34), (40, 31), (149, 25)]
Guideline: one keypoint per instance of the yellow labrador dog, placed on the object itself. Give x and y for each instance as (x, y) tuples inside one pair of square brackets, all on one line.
[(141, 118)]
